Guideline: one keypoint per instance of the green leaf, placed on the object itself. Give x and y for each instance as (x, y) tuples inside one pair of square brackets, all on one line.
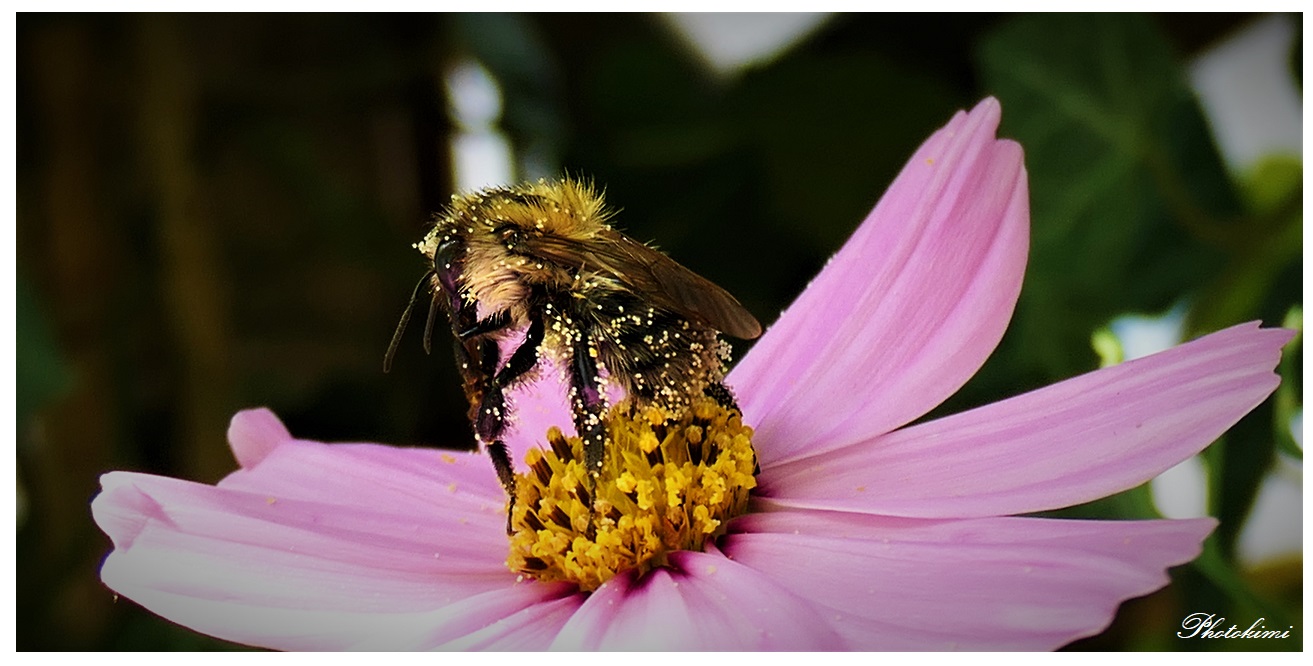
[(1129, 198)]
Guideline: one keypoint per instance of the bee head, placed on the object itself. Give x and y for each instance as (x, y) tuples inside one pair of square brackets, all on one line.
[(483, 246)]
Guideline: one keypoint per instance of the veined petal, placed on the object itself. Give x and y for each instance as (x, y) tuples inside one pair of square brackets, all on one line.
[(521, 616), (706, 602), (385, 478), (624, 614), (268, 568), (533, 628), (1072, 442), (975, 584), (909, 308)]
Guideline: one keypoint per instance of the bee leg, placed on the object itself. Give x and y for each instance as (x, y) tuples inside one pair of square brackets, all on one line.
[(586, 399), (491, 423), (490, 324), (501, 461), (525, 356)]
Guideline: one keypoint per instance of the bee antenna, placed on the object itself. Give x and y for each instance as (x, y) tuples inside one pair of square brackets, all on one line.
[(405, 319), (428, 325)]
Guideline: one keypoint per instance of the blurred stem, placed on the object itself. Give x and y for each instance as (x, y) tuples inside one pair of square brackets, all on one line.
[(192, 275)]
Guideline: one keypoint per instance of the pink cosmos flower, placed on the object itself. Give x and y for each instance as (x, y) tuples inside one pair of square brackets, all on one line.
[(863, 534)]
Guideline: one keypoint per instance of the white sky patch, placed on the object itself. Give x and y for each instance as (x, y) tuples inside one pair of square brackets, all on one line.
[(1275, 525), (480, 153), (1249, 95), (1182, 491), (730, 42), (1142, 335)]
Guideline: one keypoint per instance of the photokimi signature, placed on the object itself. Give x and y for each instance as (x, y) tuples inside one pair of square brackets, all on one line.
[(1209, 625)]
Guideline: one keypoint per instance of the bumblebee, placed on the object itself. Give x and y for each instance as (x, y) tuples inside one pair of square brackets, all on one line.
[(536, 271)]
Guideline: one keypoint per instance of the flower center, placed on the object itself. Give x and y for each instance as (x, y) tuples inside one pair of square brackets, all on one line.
[(669, 482)]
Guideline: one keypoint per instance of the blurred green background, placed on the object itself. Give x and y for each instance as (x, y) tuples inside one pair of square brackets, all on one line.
[(216, 212)]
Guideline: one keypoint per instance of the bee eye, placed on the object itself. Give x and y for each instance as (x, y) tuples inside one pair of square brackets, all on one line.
[(449, 251), (447, 263)]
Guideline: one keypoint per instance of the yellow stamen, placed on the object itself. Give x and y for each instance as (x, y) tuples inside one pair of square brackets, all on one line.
[(669, 482)]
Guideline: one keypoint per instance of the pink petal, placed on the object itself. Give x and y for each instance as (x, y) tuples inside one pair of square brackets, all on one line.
[(533, 628), (977, 584), (380, 553), (1072, 442), (623, 614), (535, 407), (907, 310), (539, 404), (705, 602), (253, 433), (524, 616), (385, 478)]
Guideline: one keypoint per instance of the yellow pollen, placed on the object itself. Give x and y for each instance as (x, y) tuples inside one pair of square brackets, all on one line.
[(670, 481)]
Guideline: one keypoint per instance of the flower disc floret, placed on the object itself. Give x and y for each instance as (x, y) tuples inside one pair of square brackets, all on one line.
[(670, 481)]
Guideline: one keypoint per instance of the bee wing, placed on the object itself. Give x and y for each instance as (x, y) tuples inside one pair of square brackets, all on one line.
[(665, 281)]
